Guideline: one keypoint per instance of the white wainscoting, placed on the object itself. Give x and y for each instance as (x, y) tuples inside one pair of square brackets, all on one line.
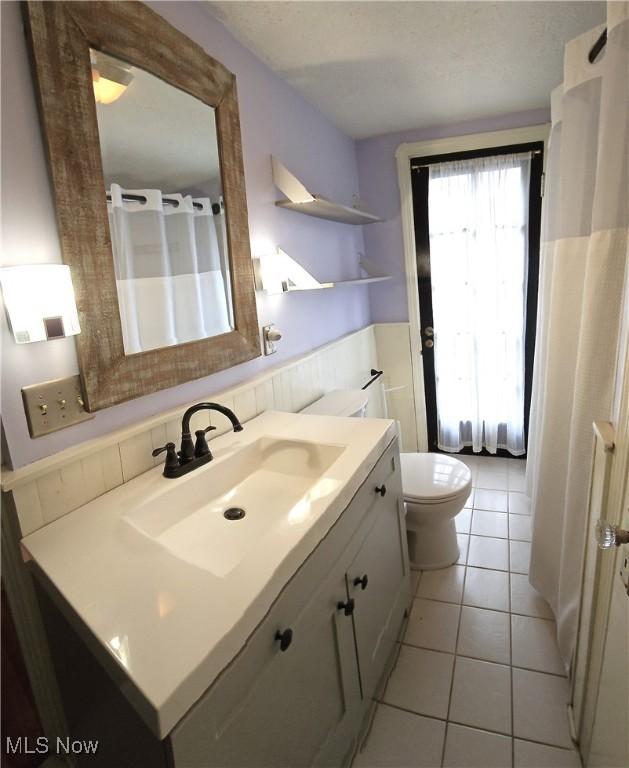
[(393, 343), (47, 489)]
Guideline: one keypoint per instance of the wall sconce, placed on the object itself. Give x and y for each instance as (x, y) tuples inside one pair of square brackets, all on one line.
[(39, 300)]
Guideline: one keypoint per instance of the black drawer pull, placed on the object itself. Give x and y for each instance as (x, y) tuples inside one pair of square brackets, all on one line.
[(361, 581), (285, 638), (347, 608), (381, 489)]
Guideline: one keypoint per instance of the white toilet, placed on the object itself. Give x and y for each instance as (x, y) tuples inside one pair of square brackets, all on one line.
[(435, 488)]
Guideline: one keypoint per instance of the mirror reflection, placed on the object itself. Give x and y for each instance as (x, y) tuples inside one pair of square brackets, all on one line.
[(162, 175)]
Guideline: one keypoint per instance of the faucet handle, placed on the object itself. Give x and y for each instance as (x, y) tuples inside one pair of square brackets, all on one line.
[(201, 447), (171, 454)]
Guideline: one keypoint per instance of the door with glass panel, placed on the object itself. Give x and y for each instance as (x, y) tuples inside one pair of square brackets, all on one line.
[(477, 225)]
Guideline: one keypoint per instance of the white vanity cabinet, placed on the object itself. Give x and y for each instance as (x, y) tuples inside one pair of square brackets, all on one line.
[(304, 706), (300, 703)]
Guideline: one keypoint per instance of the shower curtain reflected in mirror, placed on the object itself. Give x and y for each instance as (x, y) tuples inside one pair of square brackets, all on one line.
[(172, 271)]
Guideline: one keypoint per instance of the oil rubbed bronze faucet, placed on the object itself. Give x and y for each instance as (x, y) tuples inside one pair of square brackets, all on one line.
[(193, 454)]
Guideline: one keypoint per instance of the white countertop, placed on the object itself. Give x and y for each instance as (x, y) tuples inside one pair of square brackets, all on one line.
[(172, 626)]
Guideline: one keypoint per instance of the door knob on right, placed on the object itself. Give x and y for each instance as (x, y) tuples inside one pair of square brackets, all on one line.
[(609, 536)]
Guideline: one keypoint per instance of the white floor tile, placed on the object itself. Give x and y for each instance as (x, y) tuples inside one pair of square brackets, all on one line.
[(520, 527), (490, 524), (469, 748), (517, 481), (464, 542), (535, 645), (526, 600), (481, 695), (463, 521), (446, 584), (486, 552), (486, 589), (484, 635), (494, 480), (420, 681), (492, 501), (469, 461), (433, 625), (492, 463), (469, 502), (520, 554), (529, 755), (401, 740), (540, 707), (519, 503), (415, 576)]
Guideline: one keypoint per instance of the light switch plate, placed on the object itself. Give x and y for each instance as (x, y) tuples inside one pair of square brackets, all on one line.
[(54, 405)]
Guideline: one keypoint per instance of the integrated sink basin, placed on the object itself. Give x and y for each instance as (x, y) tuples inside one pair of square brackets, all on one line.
[(153, 565), (216, 515)]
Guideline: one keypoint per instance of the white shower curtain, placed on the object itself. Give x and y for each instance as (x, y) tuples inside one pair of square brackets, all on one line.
[(583, 262), (171, 287), (478, 214)]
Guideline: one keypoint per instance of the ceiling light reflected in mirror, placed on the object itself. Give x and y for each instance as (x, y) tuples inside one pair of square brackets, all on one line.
[(109, 77)]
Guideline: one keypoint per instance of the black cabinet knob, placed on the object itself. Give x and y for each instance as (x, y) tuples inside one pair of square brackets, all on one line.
[(347, 608), (361, 581), (285, 638), (381, 489)]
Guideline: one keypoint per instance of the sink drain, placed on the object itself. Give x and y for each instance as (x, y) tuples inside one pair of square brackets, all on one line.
[(234, 513)]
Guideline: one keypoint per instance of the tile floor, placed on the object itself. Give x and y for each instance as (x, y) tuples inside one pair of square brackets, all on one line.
[(479, 682)]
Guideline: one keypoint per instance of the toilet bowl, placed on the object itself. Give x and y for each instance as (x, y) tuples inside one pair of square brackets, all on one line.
[(435, 487)]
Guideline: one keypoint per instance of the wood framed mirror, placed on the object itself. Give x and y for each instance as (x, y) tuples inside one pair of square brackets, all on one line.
[(157, 305)]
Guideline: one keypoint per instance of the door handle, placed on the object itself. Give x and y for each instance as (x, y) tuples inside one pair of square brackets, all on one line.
[(609, 536)]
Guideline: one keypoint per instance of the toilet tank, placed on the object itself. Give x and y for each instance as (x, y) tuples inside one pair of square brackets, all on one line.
[(340, 402)]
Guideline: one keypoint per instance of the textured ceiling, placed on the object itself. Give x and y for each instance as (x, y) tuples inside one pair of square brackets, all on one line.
[(377, 67)]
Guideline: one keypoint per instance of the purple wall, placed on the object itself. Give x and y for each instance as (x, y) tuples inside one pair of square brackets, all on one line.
[(275, 120), (377, 173)]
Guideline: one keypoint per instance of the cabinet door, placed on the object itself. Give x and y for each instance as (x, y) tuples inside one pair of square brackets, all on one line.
[(378, 581), (297, 701)]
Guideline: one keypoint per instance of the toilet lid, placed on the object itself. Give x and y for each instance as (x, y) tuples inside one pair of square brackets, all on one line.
[(433, 476)]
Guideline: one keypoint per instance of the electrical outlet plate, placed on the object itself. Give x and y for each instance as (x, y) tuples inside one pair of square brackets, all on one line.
[(269, 346), (54, 405)]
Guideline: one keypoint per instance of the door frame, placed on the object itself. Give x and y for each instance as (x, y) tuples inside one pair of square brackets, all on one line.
[(592, 636), (403, 155)]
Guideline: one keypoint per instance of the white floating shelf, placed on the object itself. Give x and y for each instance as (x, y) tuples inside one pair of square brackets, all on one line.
[(279, 273), (299, 199), (337, 284), (321, 208)]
